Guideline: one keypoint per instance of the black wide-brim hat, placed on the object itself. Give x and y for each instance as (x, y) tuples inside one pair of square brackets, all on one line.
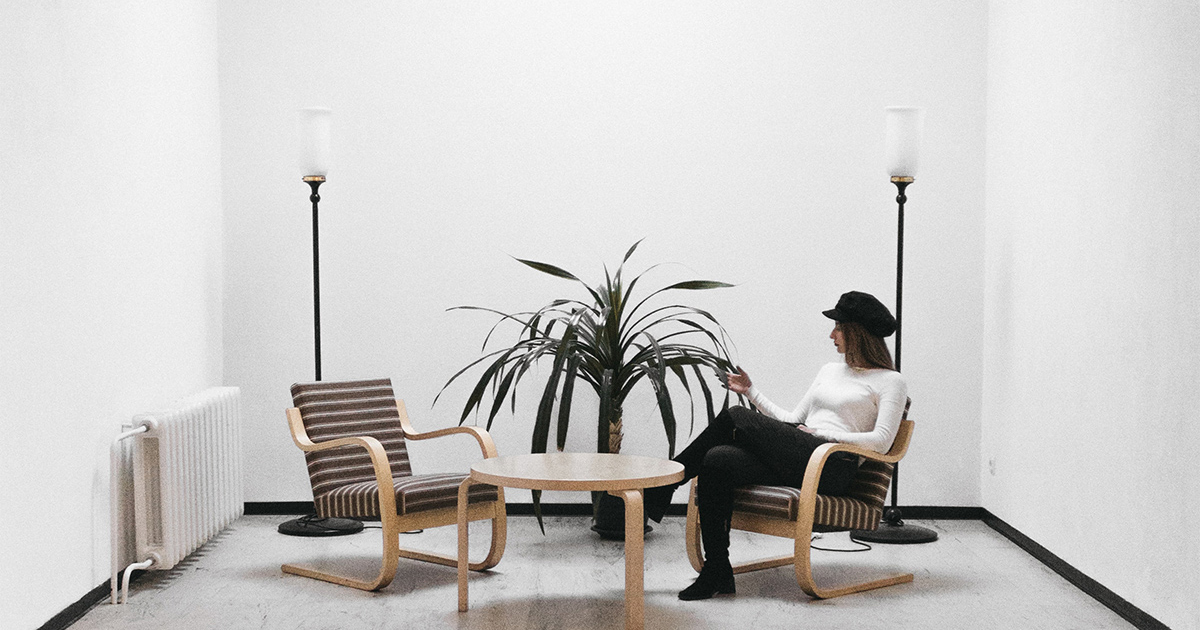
[(864, 309)]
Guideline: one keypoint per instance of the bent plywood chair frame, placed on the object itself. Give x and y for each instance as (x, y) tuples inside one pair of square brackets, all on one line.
[(393, 524), (801, 529)]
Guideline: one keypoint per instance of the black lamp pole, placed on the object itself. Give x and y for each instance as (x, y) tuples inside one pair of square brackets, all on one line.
[(894, 530), (315, 181), (901, 184)]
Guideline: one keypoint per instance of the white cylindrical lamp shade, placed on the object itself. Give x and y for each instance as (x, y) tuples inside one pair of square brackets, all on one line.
[(905, 126), (314, 141)]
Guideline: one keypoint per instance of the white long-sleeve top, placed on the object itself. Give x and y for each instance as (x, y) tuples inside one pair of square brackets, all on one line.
[(844, 404)]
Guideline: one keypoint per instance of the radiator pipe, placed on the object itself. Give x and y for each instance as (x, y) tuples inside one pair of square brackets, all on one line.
[(114, 508), (145, 564)]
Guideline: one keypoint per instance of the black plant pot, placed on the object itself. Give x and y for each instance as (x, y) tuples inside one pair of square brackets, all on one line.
[(609, 521)]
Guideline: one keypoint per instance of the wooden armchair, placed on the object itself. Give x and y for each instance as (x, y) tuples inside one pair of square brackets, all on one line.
[(797, 513), (353, 435)]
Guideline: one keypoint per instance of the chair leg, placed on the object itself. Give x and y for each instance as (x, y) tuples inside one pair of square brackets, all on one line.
[(387, 568), (808, 584), (499, 534), (497, 514), (695, 549)]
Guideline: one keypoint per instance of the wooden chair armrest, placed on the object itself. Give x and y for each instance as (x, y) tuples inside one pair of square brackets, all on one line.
[(379, 458), (857, 450), (481, 435)]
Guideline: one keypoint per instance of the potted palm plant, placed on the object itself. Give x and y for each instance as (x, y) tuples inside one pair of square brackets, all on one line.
[(613, 340)]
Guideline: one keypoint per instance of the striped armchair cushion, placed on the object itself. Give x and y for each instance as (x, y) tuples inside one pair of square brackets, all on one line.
[(861, 508), (415, 493), (870, 485), (343, 480)]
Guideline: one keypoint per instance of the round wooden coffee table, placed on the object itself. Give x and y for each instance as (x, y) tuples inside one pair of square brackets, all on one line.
[(620, 475)]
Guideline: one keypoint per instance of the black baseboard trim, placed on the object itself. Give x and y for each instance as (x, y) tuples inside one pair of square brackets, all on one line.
[(942, 512), (563, 509), (924, 512), (74, 612), (278, 508), (1134, 615), (921, 512)]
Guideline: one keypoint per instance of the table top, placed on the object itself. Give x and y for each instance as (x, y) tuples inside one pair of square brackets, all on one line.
[(577, 471)]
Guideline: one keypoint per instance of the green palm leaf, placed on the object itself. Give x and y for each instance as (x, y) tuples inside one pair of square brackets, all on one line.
[(550, 269), (605, 341)]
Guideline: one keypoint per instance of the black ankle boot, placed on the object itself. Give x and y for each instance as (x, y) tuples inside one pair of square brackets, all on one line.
[(657, 500), (713, 580)]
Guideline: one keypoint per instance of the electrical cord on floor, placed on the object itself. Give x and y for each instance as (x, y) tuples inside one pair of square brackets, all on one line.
[(864, 546)]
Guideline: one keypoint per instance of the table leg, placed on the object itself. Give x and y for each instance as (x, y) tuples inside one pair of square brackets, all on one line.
[(635, 565), (463, 543)]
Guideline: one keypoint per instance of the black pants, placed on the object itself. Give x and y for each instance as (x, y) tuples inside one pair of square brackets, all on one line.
[(742, 447)]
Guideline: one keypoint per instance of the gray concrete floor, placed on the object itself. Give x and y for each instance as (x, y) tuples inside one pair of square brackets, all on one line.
[(972, 577)]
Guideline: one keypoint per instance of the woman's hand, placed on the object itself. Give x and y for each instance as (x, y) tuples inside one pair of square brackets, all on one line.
[(739, 382)]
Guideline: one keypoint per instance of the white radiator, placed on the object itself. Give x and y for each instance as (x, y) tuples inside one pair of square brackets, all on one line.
[(186, 474)]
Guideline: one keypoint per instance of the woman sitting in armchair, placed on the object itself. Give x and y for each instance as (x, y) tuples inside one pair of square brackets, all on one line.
[(858, 401)]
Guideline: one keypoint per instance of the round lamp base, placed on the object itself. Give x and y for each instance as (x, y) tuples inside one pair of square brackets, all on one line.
[(312, 525), (895, 535), (893, 531)]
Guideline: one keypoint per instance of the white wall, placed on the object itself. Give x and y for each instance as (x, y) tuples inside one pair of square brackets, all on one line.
[(1092, 333), (743, 140), (110, 272)]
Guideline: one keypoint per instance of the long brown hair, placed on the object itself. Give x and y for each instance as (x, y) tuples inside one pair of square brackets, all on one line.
[(864, 350)]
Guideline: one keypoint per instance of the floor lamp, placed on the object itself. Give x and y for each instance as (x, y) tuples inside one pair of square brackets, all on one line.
[(904, 129), (314, 165)]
